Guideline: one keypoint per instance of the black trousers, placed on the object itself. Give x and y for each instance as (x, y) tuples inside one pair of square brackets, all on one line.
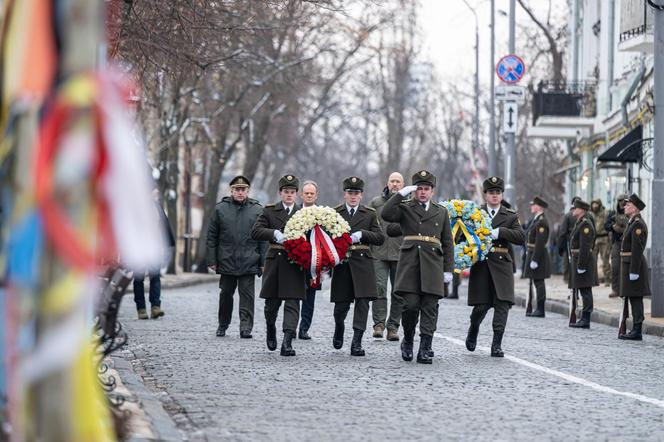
[(540, 287), (245, 286), (587, 297), (500, 311), (291, 312), (360, 312), (308, 309), (637, 309), (422, 308)]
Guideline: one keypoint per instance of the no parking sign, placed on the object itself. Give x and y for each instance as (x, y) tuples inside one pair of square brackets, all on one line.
[(511, 69)]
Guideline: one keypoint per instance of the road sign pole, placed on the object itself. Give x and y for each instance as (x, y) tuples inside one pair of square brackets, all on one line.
[(510, 151)]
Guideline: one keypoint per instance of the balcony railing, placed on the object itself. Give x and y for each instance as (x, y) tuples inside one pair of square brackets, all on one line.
[(564, 99), (636, 19)]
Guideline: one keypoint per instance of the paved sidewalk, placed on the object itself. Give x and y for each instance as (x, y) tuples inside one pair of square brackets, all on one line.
[(606, 310), (179, 280)]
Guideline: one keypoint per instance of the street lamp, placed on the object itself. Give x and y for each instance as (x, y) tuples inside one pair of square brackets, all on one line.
[(476, 122)]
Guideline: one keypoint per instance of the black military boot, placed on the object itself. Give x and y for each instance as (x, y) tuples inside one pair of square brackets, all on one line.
[(356, 345), (407, 345), (338, 338), (539, 312), (271, 338), (584, 322), (423, 356), (455, 292), (496, 351), (221, 331), (634, 334), (471, 339), (286, 347)]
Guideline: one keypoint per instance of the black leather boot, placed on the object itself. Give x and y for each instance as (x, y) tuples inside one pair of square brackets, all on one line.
[(471, 339), (423, 356), (634, 334), (455, 292), (338, 338), (356, 345), (538, 313), (221, 331), (584, 322), (407, 345), (271, 338), (286, 344), (496, 351)]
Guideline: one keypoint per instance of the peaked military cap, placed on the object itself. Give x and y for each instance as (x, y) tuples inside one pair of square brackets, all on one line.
[(634, 199), (353, 183), (493, 183), (580, 204), (289, 181), (424, 177), (540, 202), (240, 181)]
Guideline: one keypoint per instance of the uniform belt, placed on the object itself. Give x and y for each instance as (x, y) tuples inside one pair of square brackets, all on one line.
[(358, 247), (625, 253), (422, 238), (531, 245), (504, 250), (574, 251), (277, 247)]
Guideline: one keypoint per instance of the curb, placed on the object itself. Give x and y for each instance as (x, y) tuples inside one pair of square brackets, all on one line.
[(599, 316), (202, 279)]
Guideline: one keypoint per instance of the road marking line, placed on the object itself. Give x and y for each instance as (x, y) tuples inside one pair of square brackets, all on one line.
[(565, 376)]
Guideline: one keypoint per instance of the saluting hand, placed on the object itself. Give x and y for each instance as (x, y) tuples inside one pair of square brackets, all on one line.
[(407, 190)]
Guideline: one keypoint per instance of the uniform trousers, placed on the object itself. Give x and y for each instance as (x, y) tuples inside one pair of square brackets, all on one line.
[(420, 307), (245, 286), (291, 312), (637, 309), (500, 310), (360, 312)]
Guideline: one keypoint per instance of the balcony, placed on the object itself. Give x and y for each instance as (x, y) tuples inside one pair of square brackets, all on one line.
[(636, 27)]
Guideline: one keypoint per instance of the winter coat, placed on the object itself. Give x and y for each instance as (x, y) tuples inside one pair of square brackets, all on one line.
[(389, 250)]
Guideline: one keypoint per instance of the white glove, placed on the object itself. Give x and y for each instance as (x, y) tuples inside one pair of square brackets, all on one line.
[(407, 190), (533, 265), (495, 232), (356, 236), (633, 276), (447, 277), (279, 237), (580, 271)]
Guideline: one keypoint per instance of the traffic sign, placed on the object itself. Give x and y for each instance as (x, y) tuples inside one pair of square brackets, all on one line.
[(511, 69), (510, 117), (511, 93)]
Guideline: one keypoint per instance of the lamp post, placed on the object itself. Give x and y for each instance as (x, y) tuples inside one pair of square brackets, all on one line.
[(476, 119)]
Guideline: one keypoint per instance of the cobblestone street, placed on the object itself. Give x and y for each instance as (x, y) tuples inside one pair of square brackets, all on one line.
[(555, 383)]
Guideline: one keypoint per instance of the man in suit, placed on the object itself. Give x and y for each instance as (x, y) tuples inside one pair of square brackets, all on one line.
[(309, 195), (491, 281), (538, 263), (283, 282), (355, 280), (583, 267)]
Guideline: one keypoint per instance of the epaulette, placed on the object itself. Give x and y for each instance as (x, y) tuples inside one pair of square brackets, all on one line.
[(437, 204), (253, 201), (509, 210), (270, 206), (339, 206)]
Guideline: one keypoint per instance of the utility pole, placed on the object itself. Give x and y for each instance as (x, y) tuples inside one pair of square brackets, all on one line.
[(492, 118), (510, 151), (476, 120), (657, 247)]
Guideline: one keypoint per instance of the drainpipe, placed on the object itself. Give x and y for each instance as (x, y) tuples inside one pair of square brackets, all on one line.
[(610, 53)]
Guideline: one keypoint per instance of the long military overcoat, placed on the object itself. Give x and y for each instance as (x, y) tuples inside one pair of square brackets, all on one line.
[(281, 279), (537, 239), (421, 263), (498, 266), (582, 241), (356, 278), (632, 259)]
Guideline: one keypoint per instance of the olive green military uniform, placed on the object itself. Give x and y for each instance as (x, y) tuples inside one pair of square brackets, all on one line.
[(583, 268), (616, 224), (537, 238), (602, 249)]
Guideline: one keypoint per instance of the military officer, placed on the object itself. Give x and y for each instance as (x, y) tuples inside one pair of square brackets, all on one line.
[(282, 281), (615, 225), (583, 267), (355, 280), (634, 274), (491, 282), (427, 252), (538, 265)]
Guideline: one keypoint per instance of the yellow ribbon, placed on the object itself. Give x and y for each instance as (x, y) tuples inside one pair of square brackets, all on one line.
[(469, 238)]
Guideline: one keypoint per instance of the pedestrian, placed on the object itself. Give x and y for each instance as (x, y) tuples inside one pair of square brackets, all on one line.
[(235, 255), (309, 194), (491, 281), (615, 225), (564, 231), (283, 282), (538, 263), (634, 274), (153, 274), (602, 247), (583, 267), (427, 252), (386, 257), (354, 281)]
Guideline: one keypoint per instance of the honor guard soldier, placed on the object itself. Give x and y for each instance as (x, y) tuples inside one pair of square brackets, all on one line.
[(426, 260), (538, 263), (583, 267), (282, 281), (634, 274), (355, 280), (615, 225), (491, 281)]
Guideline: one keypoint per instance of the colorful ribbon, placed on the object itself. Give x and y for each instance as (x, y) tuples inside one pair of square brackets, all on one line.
[(473, 240), (321, 245)]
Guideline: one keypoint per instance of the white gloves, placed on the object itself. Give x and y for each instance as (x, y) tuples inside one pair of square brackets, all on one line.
[(447, 277), (580, 271), (633, 276), (533, 265), (279, 237), (495, 232), (407, 190), (356, 236)]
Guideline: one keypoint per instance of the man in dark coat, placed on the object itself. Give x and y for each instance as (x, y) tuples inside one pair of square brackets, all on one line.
[(309, 195), (491, 281), (634, 273), (583, 266), (615, 225), (564, 232), (282, 281), (538, 263), (235, 255), (426, 260)]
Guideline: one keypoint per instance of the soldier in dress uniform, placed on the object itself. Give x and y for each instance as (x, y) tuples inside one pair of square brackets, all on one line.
[(355, 280), (634, 273), (538, 263), (282, 281), (491, 282), (426, 260), (583, 267)]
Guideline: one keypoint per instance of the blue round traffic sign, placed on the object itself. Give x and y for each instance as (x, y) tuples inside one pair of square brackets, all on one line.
[(511, 69)]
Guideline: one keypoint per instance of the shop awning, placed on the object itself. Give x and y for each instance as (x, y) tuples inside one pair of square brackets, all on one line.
[(627, 149)]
